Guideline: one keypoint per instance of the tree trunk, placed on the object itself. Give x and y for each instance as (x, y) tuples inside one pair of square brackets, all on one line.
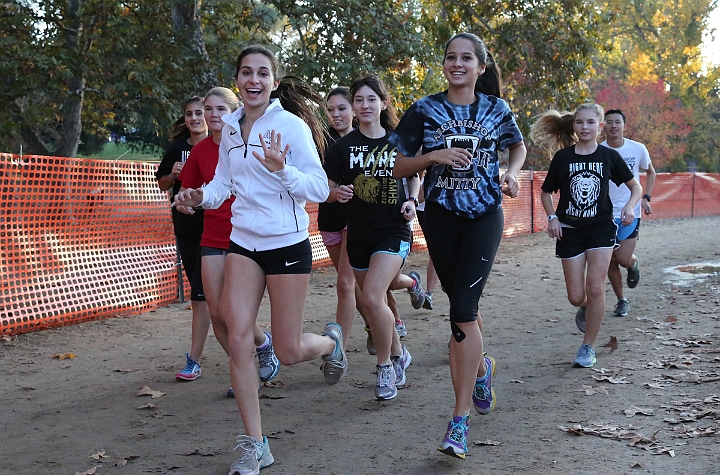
[(72, 107), (187, 27)]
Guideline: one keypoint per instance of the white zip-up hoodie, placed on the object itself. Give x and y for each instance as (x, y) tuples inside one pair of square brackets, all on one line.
[(269, 208)]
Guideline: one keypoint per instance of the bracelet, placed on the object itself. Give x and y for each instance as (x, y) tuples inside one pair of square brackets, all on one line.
[(414, 200), (647, 197), (551, 217)]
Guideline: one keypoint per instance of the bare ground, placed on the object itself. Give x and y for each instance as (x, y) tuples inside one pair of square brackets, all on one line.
[(655, 408)]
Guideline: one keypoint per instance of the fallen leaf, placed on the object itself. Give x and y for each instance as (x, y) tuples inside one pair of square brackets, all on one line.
[(89, 471), (664, 450), (612, 380), (99, 455), (204, 452), (6, 338), (589, 390), (146, 391), (612, 344), (671, 320), (516, 381), (638, 465), (273, 384), (63, 356), (638, 410), (124, 370), (150, 405), (273, 396), (120, 463), (486, 442)]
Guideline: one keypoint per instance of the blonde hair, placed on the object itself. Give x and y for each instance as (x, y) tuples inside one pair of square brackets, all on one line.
[(226, 95), (553, 130)]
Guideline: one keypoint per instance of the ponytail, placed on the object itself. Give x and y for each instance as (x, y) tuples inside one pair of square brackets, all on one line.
[(297, 97), (554, 130), (489, 82)]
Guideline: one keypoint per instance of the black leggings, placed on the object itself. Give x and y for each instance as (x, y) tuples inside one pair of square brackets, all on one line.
[(463, 251)]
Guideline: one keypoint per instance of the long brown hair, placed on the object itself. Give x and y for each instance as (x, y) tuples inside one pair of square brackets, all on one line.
[(388, 117), (295, 95)]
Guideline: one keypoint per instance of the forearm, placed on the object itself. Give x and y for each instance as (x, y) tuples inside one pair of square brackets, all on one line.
[(413, 184), (516, 159), (650, 180), (547, 202), (166, 182), (408, 166)]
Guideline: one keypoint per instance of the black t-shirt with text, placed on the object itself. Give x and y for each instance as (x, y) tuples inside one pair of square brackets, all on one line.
[(367, 164), (583, 184), (184, 224)]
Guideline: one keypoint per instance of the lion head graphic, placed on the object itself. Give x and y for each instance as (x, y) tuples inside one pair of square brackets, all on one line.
[(585, 190)]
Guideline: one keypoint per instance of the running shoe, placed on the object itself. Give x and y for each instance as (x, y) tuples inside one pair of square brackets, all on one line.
[(633, 277), (370, 342), (400, 364), (269, 364), (417, 294), (585, 357), (580, 319), (230, 392), (622, 307), (455, 442), (428, 303), (256, 455), (484, 395), (385, 388), (401, 329), (335, 364), (191, 372)]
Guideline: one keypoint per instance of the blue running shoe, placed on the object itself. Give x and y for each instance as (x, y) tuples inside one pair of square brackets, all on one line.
[(484, 395), (585, 357), (191, 372), (455, 442), (269, 364)]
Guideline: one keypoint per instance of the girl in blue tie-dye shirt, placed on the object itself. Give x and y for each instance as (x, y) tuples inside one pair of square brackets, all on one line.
[(459, 133)]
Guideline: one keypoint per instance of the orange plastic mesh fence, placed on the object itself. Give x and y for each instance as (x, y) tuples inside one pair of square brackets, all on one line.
[(81, 239), (86, 239)]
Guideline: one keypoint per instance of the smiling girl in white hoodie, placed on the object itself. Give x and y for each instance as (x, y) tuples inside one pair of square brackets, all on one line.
[(269, 161)]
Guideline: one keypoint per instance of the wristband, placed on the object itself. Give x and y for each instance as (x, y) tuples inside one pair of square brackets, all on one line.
[(414, 200), (647, 197), (551, 217)]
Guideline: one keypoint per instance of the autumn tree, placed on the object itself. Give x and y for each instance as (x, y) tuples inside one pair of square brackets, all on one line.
[(653, 118)]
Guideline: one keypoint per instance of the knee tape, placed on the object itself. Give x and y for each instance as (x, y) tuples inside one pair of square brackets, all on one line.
[(457, 332)]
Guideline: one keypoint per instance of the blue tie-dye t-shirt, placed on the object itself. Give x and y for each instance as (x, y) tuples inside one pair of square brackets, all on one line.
[(483, 127)]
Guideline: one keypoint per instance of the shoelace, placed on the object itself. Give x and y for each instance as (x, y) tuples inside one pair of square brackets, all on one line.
[(249, 445), (481, 391), (457, 432), (264, 356), (385, 376)]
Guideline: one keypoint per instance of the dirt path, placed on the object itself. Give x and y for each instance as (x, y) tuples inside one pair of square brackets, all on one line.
[(57, 414)]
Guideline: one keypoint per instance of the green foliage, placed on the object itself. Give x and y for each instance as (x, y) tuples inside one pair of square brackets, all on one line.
[(135, 67)]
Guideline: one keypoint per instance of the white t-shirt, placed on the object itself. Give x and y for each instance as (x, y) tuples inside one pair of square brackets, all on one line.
[(636, 157)]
